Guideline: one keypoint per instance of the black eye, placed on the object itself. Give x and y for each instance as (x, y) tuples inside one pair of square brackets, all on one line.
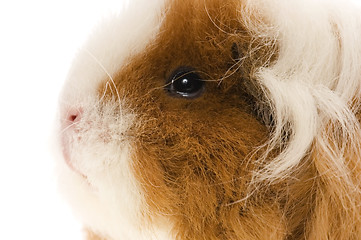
[(185, 83)]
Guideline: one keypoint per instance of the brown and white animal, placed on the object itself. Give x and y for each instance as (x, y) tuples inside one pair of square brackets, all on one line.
[(217, 119)]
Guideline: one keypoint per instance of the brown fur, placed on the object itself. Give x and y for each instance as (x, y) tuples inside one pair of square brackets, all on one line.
[(194, 159)]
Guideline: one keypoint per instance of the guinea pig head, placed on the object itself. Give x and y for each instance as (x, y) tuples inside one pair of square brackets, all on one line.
[(165, 123)]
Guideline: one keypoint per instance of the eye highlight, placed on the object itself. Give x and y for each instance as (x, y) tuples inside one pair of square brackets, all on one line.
[(185, 83)]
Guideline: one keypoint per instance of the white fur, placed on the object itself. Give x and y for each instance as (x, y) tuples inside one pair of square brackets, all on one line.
[(316, 77), (115, 39), (108, 200)]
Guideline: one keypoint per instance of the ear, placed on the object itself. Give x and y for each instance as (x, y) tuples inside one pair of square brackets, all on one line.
[(235, 52)]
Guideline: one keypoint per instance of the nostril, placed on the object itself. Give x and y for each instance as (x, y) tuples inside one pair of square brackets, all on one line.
[(74, 115)]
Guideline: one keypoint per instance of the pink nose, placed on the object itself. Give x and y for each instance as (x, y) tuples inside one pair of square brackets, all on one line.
[(70, 131)]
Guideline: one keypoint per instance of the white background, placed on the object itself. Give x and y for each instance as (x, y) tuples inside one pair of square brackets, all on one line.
[(37, 41)]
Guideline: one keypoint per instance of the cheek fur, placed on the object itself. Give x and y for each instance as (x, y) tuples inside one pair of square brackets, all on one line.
[(202, 167)]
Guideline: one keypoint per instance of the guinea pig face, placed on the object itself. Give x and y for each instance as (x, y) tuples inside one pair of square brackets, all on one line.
[(174, 109)]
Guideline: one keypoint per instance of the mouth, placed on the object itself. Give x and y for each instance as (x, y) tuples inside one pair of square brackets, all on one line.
[(67, 156)]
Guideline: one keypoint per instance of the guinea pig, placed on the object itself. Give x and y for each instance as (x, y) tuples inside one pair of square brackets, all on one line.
[(216, 120)]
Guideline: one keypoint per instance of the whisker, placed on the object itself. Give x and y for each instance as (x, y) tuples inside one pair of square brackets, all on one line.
[(104, 92), (228, 74), (70, 126), (230, 71), (110, 78), (210, 18)]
